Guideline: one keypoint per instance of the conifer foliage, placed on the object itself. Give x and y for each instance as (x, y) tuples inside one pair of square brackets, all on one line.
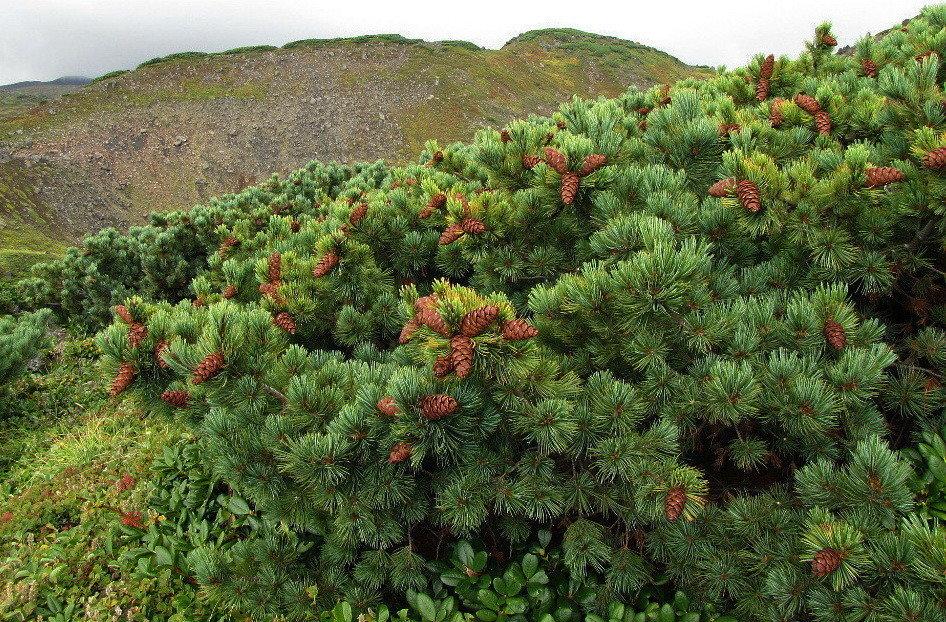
[(683, 353)]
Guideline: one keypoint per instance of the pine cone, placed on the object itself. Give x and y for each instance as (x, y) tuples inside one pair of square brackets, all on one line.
[(664, 95), (436, 202), (748, 194), (434, 321), (723, 188), (461, 355), (124, 314), (762, 89), (826, 561), (326, 264), (357, 214), (473, 226), (408, 331), (177, 399), (208, 368), (570, 183), (775, 112), (425, 302), (643, 111), (123, 379), (227, 243), (450, 235), (828, 40), (674, 502), (878, 176), (560, 125), (869, 67), (199, 301), (136, 334), (437, 406), (443, 366), (274, 272), (437, 157), (388, 406), (530, 161), (295, 225), (400, 452), (229, 291), (834, 334), (765, 71), (504, 136), (286, 322), (478, 320), (807, 103), (518, 330), (159, 349), (726, 128), (592, 163), (935, 159), (556, 160), (823, 122)]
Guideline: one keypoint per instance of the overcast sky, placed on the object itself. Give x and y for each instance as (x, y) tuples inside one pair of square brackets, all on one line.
[(45, 39)]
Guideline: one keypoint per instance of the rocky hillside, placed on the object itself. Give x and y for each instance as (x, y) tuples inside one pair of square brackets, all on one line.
[(178, 130)]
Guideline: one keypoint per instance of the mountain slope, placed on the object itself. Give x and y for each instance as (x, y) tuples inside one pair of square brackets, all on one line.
[(176, 131)]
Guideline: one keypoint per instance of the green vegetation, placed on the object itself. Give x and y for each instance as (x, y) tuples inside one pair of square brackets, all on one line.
[(382, 38), (673, 355), (110, 74)]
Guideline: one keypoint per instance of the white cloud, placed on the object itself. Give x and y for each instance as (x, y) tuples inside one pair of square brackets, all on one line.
[(44, 39)]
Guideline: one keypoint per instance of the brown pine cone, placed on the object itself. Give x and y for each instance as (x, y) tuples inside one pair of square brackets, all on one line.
[(726, 128), (478, 320), (748, 194), (723, 188), (268, 289), (560, 125), (177, 399), (229, 291), (674, 503), (124, 314), (461, 355), (869, 67), (388, 406), (295, 225), (285, 321), (644, 111), (664, 95), (227, 243), (530, 161), (556, 160), (823, 122), (826, 561), (765, 71), (762, 89), (473, 226), (518, 330), (570, 183), (437, 157), (434, 321), (828, 40), (357, 214), (136, 334), (504, 136), (436, 202), (408, 331), (807, 103), (123, 379), (274, 268), (400, 452), (159, 349), (450, 235), (208, 368), (879, 176), (775, 112), (935, 159), (326, 264), (425, 302), (437, 406), (199, 301), (834, 334), (443, 366), (592, 163)]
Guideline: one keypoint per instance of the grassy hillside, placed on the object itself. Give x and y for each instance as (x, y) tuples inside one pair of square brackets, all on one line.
[(180, 129)]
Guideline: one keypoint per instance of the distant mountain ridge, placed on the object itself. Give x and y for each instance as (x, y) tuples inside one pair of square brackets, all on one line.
[(182, 128), (63, 81)]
